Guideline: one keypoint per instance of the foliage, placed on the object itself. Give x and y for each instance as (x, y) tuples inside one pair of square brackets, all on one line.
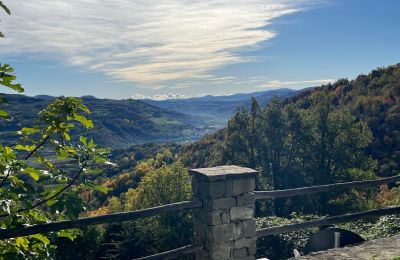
[(153, 182), (372, 98), (293, 147), (84, 246), (167, 184), (281, 246), (35, 185), (34, 188)]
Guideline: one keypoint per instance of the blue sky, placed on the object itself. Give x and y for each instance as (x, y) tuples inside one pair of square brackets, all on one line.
[(181, 48)]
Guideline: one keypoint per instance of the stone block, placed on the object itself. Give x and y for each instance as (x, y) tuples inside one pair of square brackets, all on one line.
[(243, 258), (202, 255), (222, 233), (225, 217), (223, 172), (210, 246), (240, 253), (239, 231), (210, 218), (245, 199), (211, 189), (240, 186), (221, 255), (195, 185), (249, 227), (241, 213), (253, 247), (199, 229), (224, 251), (243, 242), (223, 203), (228, 187)]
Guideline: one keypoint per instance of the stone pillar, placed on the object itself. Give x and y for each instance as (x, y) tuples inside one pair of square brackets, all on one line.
[(225, 225)]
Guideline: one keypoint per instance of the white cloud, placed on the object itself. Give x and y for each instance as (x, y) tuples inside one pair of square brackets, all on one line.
[(160, 96), (280, 83), (149, 41), (139, 96)]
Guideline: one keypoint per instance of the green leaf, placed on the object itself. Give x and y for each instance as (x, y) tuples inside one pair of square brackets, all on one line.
[(29, 130), (70, 233), (22, 242), (83, 120), (73, 151), (102, 189), (67, 136), (94, 171), (25, 147), (34, 173), (82, 139), (41, 238), (51, 202), (4, 113), (8, 152)]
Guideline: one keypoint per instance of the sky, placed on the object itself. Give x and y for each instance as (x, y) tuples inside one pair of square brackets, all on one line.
[(187, 48)]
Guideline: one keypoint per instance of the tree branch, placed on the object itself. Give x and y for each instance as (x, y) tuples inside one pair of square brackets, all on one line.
[(26, 158), (37, 147), (52, 196)]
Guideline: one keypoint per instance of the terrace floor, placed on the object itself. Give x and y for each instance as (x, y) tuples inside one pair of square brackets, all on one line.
[(385, 248)]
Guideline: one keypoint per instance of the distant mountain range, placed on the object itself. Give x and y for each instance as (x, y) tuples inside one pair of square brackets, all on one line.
[(215, 111), (120, 123)]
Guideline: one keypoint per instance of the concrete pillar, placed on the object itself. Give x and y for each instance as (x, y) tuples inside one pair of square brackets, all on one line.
[(225, 225)]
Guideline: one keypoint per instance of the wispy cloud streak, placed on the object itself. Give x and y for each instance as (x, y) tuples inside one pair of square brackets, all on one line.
[(280, 83), (146, 41)]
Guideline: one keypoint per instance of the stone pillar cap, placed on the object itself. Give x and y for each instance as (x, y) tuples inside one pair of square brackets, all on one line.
[(223, 172)]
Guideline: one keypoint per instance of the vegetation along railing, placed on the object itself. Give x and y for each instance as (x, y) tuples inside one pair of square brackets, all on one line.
[(223, 213)]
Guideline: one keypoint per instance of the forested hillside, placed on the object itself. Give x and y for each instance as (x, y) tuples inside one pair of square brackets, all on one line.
[(119, 123), (373, 99)]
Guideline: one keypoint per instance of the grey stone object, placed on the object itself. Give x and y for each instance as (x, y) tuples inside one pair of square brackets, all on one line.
[(225, 225)]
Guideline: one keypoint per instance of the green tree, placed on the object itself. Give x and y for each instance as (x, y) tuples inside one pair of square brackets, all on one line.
[(274, 132), (34, 187), (167, 184)]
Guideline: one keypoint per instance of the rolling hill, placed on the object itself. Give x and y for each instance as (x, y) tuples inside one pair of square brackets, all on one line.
[(216, 110), (118, 123)]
